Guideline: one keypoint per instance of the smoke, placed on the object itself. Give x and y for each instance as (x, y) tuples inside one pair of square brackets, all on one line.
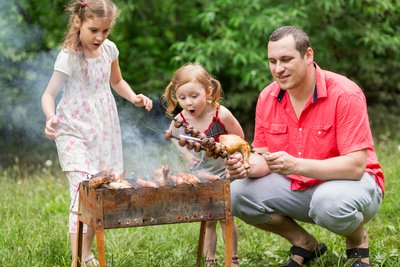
[(25, 74), (145, 150)]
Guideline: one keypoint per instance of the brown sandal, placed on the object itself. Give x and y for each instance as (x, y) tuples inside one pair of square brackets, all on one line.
[(235, 261), (356, 254)]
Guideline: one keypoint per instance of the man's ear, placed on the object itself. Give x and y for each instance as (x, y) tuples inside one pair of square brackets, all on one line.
[(77, 22), (309, 56)]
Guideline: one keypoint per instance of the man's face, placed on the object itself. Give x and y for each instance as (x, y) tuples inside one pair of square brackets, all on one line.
[(285, 63)]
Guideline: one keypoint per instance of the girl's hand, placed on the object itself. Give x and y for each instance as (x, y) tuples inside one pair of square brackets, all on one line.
[(50, 129), (235, 168), (141, 100)]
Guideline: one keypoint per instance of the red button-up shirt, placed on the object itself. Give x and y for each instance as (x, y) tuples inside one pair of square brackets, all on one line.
[(334, 122)]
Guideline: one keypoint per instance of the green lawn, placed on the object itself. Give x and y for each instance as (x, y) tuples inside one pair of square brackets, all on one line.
[(34, 222)]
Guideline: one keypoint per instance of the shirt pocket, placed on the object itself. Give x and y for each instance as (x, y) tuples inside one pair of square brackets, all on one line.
[(277, 137), (322, 137)]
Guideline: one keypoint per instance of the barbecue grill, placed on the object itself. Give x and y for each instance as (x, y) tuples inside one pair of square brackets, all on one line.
[(103, 208)]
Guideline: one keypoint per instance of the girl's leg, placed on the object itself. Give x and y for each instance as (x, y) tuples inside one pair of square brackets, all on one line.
[(210, 241), (74, 178)]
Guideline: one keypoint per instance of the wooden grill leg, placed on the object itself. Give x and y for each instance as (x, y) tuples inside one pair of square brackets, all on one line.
[(228, 225), (101, 247), (79, 240), (228, 242), (201, 243)]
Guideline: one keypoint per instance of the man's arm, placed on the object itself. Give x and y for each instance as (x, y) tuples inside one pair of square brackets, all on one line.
[(350, 166)]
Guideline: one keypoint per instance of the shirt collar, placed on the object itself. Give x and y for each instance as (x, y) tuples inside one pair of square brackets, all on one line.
[(320, 92), (282, 93)]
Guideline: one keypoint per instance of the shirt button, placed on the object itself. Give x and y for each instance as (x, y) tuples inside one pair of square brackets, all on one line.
[(299, 153), (319, 132), (300, 129)]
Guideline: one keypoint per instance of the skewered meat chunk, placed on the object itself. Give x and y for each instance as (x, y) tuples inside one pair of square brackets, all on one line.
[(234, 144), (209, 153), (197, 146), (190, 144), (182, 141), (195, 133), (178, 123), (217, 149), (188, 129), (224, 154), (168, 134)]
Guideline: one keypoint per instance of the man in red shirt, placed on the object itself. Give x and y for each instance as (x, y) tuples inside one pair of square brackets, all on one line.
[(314, 155)]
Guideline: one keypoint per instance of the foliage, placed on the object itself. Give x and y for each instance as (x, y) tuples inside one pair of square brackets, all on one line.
[(357, 38)]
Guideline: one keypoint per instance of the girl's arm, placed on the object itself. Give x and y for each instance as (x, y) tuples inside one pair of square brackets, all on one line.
[(48, 102), (124, 90), (231, 123)]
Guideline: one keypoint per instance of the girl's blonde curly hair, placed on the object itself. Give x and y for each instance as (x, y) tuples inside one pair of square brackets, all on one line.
[(191, 72)]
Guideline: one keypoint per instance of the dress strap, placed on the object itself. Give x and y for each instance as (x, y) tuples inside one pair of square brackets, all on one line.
[(184, 120)]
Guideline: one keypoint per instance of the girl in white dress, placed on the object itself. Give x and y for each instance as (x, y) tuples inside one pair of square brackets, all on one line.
[(85, 124)]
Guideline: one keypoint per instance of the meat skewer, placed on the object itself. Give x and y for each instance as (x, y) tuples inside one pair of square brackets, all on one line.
[(234, 143)]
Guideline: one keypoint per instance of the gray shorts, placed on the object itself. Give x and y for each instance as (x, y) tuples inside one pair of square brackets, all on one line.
[(339, 206)]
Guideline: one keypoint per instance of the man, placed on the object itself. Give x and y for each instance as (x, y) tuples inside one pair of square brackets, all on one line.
[(315, 160)]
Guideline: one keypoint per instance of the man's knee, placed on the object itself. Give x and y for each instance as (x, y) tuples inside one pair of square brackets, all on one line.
[(331, 210)]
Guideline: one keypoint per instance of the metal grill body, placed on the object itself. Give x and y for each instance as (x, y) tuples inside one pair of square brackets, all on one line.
[(105, 208)]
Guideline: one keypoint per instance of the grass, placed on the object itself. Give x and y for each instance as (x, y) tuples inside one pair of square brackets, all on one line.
[(34, 223)]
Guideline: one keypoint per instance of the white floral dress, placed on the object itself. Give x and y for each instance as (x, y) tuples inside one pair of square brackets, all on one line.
[(88, 134)]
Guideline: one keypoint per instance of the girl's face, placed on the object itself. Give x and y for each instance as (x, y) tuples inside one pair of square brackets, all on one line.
[(93, 32), (192, 97)]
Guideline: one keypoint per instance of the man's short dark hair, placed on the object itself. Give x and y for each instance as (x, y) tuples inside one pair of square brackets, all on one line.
[(300, 37)]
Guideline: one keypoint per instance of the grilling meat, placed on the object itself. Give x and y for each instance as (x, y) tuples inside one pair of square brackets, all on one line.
[(161, 175), (144, 183), (119, 185), (99, 181), (234, 143)]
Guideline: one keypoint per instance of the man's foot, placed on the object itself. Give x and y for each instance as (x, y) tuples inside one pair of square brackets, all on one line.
[(305, 254), (358, 256)]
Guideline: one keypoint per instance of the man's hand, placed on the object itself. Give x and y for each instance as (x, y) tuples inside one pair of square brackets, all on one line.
[(281, 162), (234, 167)]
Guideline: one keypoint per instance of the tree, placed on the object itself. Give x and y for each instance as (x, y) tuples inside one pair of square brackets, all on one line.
[(358, 38)]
